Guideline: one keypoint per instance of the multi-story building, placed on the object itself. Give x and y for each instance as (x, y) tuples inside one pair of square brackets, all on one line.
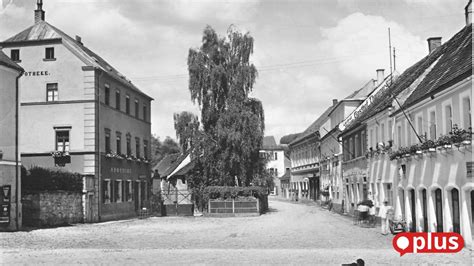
[(330, 147), (277, 162), (420, 140), (10, 179), (81, 114), (304, 150)]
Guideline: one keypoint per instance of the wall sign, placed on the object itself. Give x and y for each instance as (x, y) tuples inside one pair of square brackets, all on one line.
[(36, 73)]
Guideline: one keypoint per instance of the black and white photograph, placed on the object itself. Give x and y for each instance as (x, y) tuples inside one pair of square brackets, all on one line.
[(236, 132)]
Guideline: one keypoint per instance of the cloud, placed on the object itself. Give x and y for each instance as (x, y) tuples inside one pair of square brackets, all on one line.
[(361, 41)]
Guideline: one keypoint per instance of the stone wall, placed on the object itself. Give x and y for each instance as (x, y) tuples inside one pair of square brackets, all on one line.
[(43, 209)]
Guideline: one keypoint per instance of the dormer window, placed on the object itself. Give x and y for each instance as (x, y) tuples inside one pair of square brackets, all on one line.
[(49, 53), (15, 55)]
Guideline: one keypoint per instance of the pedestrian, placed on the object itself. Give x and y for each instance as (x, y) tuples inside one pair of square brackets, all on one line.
[(383, 217)]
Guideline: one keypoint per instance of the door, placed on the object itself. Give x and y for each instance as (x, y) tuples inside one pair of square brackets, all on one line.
[(439, 210), (413, 210), (456, 217), (90, 214), (425, 210), (136, 198)]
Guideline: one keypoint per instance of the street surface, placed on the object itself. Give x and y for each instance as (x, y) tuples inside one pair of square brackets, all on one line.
[(289, 234)]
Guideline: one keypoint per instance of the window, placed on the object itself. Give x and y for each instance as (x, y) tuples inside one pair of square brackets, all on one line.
[(432, 125), (357, 146), (107, 95), (136, 109), (51, 92), (127, 105), (376, 137), (390, 136), (276, 156), (448, 118), (137, 147), (382, 132), (371, 138), (49, 53), (128, 191), (107, 141), (363, 142), (469, 169), (420, 126), (129, 144), (15, 55), (276, 172), (466, 111), (117, 100), (62, 140), (119, 142), (145, 149), (106, 191), (399, 133), (144, 113), (118, 191)]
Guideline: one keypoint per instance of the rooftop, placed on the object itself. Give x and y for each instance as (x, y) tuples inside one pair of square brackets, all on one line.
[(6, 61), (43, 31)]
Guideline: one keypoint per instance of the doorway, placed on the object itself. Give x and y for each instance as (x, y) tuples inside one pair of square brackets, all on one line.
[(413, 210), (424, 210), (456, 216), (439, 210)]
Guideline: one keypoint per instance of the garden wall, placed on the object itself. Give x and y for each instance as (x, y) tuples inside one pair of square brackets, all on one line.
[(44, 209)]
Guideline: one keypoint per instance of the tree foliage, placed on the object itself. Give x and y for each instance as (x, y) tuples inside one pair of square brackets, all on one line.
[(160, 149), (221, 78), (186, 125)]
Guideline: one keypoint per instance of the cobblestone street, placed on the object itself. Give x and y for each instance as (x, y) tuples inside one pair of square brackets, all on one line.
[(289, 234)]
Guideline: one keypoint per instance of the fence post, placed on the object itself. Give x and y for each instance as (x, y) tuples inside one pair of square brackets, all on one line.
[(209, 206), (233, 205)]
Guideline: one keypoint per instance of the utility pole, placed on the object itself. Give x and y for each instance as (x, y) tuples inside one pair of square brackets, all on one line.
[(390, 53), (394, 64)]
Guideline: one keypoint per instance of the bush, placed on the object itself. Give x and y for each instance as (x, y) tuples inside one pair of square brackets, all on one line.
[(42, 179)]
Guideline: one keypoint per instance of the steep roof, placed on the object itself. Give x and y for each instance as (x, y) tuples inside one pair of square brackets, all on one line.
[(455, 64), (314, 127), (269, 143), (453, 59), (166, 163), (42, 31), (6, 61)]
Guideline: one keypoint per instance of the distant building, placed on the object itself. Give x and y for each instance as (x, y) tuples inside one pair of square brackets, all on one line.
[(82, 115), (277, 162), (10, 179)]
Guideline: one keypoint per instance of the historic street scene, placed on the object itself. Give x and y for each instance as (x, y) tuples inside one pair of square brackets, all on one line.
[(236, 132)]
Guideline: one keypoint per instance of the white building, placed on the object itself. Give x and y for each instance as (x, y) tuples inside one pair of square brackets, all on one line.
[(277, 162)]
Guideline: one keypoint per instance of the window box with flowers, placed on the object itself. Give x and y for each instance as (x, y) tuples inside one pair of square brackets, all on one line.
[(61, 158)]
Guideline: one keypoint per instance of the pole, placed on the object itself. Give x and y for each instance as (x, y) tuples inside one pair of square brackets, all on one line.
[(408, 119), (17, 163), (390, 53), (394, 64)]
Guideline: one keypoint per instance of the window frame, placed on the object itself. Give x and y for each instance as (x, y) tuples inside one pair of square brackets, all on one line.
[(55, 91), (117, 99), (127, 104), (17, 53), (49, 56), (118, 142), (107, 94), (65, 148)]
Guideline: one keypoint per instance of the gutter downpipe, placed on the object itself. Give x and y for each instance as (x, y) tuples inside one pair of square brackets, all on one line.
[(99, 175), (17, 163)]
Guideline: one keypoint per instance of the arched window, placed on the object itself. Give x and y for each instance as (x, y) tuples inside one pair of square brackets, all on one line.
[(439, 210)]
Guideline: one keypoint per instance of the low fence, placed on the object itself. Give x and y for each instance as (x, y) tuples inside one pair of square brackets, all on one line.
[(43, 209), (234, 207)]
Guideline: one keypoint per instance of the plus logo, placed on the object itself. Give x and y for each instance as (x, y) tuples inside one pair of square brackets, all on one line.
[(448, 242)]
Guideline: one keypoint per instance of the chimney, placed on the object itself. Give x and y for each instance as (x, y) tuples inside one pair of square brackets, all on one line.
[(433, 43), (79, 39), (334, 102), (468, 13), (380, 75), (39, 12)]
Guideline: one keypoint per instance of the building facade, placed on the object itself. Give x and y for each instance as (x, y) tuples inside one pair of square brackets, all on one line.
[(10, 179), (89, 117), (277, 162)]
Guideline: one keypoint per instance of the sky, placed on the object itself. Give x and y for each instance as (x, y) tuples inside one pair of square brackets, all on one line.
[(306, 52)]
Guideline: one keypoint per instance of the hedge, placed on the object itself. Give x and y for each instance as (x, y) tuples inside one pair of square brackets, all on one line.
[(42, 179), (223, 192)]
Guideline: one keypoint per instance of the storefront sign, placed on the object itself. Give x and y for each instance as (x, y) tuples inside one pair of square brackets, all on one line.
[(36, 73), (118, 170)]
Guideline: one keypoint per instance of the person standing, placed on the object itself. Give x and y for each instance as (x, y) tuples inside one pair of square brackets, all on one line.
[(383, 217)]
